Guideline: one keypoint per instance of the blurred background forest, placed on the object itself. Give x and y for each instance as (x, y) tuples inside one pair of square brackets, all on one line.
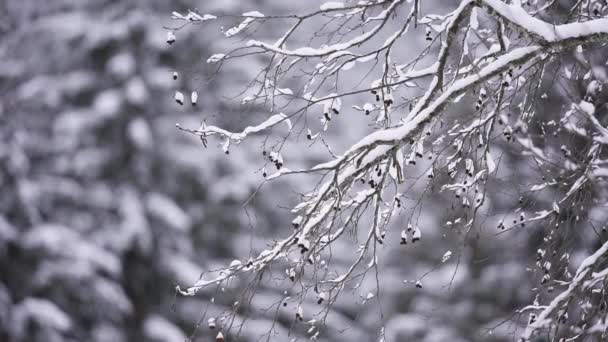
[(105, 206)]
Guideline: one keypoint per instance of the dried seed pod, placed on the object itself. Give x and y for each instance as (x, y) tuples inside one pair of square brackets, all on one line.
[(179, 98), (417, 235), (304, 246), (428, 34), (320, 298), (403, 238), (170, 37)]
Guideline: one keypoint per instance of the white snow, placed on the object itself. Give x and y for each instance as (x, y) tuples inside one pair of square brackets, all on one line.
[(42, 312), (170, 37), (136, 91), (167, 211), (446, 256), (179, 97), (474, 22), (329, 49), (111, 295), (587, 107), (251, 17), (158, 328), (56, 240), (547, 31), (121, 65), (238, 137), (108, 103), (331, 5), (192, 16), (194, 98), (216, 58), (398, 133), (139, 133)]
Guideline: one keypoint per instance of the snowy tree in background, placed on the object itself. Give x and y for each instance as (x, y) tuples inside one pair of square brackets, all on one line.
[(490, 78)]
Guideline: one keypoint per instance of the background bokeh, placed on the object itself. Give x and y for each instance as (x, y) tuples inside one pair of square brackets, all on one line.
[(105, 206)]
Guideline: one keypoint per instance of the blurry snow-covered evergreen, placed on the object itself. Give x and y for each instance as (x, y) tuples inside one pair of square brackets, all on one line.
[(106, 206)]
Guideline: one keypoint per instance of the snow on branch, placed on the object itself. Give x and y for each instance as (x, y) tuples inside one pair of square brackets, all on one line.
[(272, 121), (492, 54), (579, 282), (327, 50)]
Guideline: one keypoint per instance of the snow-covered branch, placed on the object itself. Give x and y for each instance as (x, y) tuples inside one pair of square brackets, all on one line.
[(489, 55), (580, 282)]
